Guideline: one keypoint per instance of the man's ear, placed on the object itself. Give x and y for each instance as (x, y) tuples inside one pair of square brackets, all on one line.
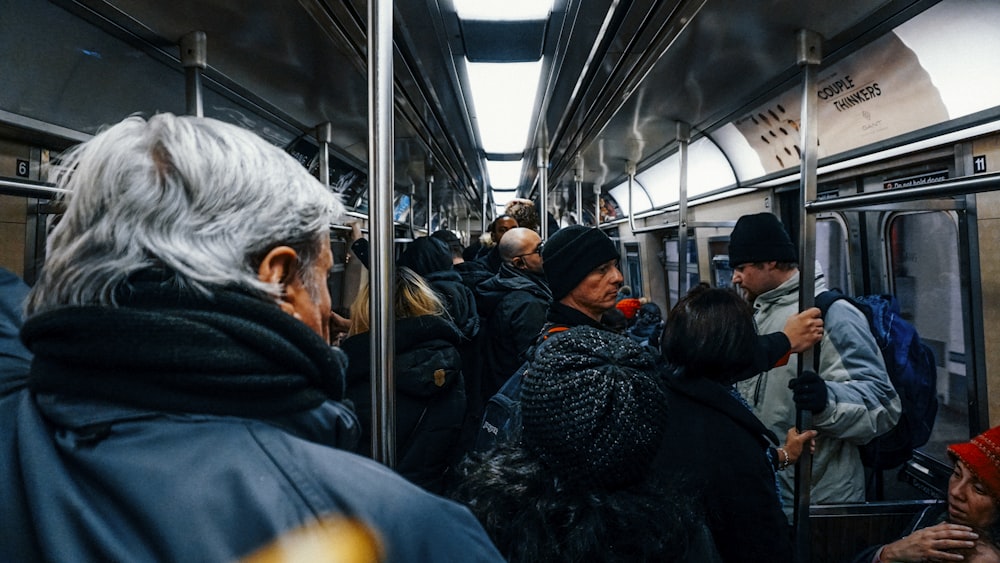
[(279, 266)]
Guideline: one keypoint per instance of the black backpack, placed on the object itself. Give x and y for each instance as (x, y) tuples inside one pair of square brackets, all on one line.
[(912, 369)]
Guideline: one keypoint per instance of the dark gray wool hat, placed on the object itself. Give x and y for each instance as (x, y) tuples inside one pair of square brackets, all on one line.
[(760, 238), (592, 407), (572, 253)]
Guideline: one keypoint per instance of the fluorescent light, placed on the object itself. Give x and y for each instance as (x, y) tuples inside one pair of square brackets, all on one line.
[(508, 10), (954, 42), (639, 197), (503, 95), (504, 174), (502, 197)]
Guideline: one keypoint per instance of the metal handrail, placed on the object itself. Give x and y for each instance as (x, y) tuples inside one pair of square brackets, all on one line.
[(30, 189), (958, 186)]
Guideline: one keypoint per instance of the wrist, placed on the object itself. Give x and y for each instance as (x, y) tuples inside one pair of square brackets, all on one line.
[(783, 459)]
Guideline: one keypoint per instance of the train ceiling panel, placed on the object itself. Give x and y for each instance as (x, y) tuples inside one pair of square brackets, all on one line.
[(617, 76), (729, 55)]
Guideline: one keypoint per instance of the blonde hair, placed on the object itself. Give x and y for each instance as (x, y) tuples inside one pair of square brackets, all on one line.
[(412, 298)]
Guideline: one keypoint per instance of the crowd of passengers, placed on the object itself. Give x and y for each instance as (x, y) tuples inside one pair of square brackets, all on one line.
[(175, 386)]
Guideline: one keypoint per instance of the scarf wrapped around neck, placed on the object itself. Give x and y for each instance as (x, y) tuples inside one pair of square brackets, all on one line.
[(164, 349)]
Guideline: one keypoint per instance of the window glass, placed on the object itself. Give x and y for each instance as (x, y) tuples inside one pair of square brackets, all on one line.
[(831, 252), (924, 272), (672, 267), (633, 269)]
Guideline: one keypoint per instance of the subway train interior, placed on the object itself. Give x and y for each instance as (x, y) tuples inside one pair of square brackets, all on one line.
[(871, 128)]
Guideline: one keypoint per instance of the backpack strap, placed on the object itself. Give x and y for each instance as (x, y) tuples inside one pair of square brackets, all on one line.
[(827, 298), (554, 330)]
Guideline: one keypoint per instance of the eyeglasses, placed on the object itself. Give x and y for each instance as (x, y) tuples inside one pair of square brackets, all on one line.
[(535, 251)]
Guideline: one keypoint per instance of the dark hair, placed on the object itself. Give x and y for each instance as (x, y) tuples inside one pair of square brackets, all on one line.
[(614, 320), (710, 333), (532, 516), (493, 225)]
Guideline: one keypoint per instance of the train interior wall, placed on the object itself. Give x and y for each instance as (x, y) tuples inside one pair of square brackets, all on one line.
[(988, 222), (916, 251)]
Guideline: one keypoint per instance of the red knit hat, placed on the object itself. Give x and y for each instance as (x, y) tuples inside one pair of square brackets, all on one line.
[(982, 457)]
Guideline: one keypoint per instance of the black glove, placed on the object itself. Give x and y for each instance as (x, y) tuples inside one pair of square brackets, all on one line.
[(809, 392)]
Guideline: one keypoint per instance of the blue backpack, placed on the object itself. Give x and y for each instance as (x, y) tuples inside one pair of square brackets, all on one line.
[(502, 415), (912, 370)]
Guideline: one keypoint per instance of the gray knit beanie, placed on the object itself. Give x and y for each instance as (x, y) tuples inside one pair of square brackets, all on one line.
[(592, 408)]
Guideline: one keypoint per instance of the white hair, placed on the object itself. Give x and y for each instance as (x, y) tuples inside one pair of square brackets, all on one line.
[(202, 198)]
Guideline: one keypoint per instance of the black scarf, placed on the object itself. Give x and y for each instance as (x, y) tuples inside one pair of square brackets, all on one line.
[(164, 349), (561, 314)]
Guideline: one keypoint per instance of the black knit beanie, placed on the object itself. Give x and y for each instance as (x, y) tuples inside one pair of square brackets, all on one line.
[(572, 253), (760, 238), (592, 408)]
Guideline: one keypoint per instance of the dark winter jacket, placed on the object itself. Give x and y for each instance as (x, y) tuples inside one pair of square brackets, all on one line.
[(513, 304), (723, 459), (15, 359), (458, 300), (560, 314), (430, 396), (178, 428), (362, 249), (473, 273), (489, 257)]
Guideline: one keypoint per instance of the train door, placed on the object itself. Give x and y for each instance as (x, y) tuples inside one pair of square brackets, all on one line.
[(673, 266), (921, 252), (832, 251), (632, 269)]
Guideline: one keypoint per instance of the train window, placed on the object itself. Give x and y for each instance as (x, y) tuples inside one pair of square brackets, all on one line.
[(923, 252), (672, 266), (718, 254), (633, 268), (335, 281), (831, 252)]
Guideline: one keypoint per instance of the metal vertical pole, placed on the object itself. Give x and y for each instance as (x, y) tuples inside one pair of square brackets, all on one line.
[(543, 190), (324, 135), (380, 174), (194, 57), (630, 172), (578, 180), (430, 202), (683, 139), (809, 47), (413, 209), (597, 204)]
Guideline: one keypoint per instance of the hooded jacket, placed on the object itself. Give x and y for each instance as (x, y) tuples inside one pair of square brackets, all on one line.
[(182, 428), (430, 396), (473, 273), (861, 403), (513, 304)]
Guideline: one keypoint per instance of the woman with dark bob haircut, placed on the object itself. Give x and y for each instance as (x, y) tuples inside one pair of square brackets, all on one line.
[(728, 458)]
